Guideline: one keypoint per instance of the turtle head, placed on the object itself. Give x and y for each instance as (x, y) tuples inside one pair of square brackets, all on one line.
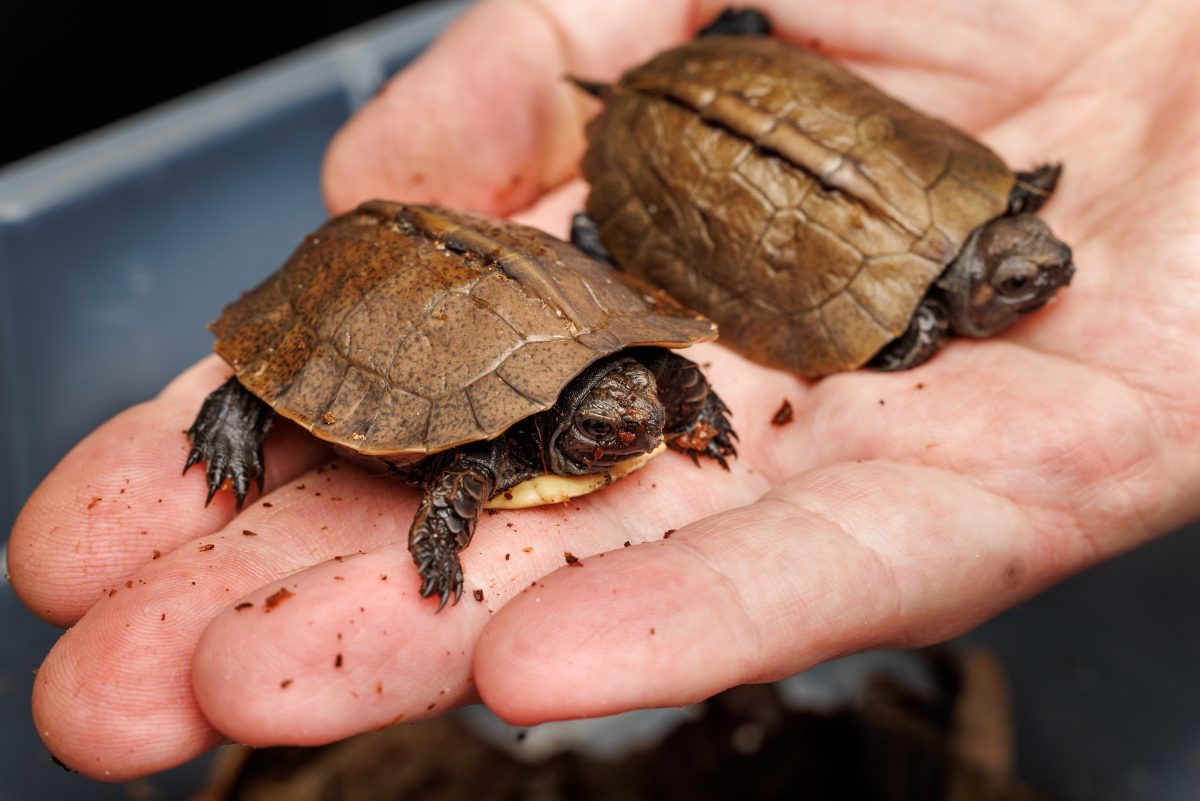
[(1007, 268), (608, 414)]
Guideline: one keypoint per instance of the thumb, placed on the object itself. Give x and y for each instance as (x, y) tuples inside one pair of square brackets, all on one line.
[(841, 559)]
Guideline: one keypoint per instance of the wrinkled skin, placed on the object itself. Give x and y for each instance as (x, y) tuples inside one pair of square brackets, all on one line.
[(990, 473), (1007, 269)]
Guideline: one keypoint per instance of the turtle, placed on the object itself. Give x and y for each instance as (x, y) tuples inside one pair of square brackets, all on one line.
[(823, 224), (464, 355)]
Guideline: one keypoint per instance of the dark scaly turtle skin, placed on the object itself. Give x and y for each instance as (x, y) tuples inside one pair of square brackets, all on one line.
[(465, 355), (820, 222)]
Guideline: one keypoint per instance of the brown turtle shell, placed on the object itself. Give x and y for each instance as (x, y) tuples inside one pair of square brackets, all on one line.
[(794, 203), (401, 330)]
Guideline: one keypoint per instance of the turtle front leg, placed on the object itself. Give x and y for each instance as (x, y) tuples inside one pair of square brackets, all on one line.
[(1033, 188), (926, 333), (445, 521), (585, 235), (697, 420), (227, 436), (738, 22)]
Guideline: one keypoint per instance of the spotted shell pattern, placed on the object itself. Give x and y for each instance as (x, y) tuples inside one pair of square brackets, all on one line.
[(797, 205), (401, 330)]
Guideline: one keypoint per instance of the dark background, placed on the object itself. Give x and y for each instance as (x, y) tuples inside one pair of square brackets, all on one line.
[(69, 67)]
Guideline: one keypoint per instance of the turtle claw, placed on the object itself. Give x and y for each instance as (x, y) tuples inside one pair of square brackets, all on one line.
[(227, 436), (718, 451), (445, 596), (441, 574), (435, 556)]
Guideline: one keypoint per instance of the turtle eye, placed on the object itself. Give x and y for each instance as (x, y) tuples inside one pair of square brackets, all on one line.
[(1014, 285), (596, 429), (1016, 276)]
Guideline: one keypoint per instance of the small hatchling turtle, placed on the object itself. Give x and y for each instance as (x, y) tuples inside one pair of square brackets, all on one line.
[(823, 224), (466, 355)]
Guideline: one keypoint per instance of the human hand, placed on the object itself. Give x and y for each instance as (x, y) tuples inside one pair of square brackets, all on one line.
[(897, 509)]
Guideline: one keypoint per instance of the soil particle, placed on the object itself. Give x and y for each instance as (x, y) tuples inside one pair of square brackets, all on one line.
[(784, 414), (276, 598)]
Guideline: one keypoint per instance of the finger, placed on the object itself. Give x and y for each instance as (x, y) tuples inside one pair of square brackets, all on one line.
[(355, 648), (838, 560), (114, 698), (951, 492), (552, 212), (352, 648), (117, 500), (485, 119)]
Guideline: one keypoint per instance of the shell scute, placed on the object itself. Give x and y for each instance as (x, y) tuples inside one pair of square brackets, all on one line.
[(400, 330)]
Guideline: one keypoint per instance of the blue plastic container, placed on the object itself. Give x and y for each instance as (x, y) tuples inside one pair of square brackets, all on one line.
[(115, 250)]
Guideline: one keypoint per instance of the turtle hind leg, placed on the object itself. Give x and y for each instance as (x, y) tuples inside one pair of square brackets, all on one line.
[(926, 333), (585, 235), (1033, 188), (455, 492), (738, 22), (227, 436)]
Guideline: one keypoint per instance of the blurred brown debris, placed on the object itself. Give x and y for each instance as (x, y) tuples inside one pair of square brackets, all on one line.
[(954, 743)]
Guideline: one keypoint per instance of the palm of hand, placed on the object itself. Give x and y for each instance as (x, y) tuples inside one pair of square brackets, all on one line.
[(896, 509)]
